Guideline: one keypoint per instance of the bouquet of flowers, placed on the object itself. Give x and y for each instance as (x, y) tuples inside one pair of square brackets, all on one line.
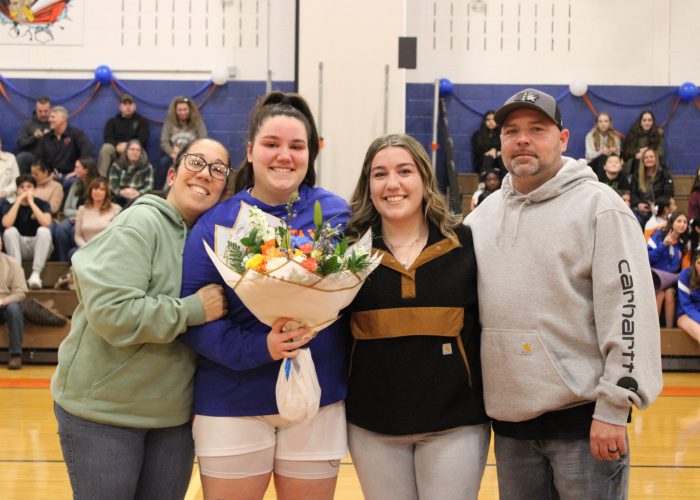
[(278, 274)]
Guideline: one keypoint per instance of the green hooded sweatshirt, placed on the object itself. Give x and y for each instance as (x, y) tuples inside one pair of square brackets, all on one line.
[(121, 363)]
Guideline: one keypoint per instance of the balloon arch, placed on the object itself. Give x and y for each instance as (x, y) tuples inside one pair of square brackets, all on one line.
[(686, 92), (104, 77)]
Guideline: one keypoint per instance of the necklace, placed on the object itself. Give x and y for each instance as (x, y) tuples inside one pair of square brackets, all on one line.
[(392, 247)]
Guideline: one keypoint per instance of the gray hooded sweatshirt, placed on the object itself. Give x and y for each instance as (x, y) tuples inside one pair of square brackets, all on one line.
[(566, 300)]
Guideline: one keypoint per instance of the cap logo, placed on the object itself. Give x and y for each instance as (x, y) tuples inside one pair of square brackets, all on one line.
[(527, 97)]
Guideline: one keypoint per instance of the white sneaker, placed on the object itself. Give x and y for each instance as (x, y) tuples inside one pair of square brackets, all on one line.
[(34, 281)]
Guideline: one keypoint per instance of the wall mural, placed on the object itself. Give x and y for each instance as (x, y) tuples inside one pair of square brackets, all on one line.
[(29, 22)]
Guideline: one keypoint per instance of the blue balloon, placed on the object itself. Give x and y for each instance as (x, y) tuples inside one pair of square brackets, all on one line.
[(688, 91), (103, 74), (445, 87)]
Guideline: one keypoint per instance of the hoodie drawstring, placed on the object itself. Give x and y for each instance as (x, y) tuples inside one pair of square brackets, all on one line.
[(517, 220), (502, 226)]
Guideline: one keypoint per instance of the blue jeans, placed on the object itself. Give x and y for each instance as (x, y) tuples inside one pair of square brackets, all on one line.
[(445, 465), (119, 463), (12, 315), (64, 239), (557, 469)]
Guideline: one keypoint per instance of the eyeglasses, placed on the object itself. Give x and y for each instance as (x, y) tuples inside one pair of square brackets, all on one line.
[(195, 163)]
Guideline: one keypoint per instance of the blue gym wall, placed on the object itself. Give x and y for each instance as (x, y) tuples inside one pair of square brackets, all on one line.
[(681, 132), (225, 113)]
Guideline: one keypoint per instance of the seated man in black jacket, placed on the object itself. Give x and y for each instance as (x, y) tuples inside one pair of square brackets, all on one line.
[(120, 129), (63, 144)]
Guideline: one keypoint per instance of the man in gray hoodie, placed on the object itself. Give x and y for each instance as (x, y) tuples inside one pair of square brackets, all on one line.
[(570, 337)]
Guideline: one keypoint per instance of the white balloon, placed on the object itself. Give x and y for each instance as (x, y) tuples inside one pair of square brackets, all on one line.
[(578, 88), (219, 76)]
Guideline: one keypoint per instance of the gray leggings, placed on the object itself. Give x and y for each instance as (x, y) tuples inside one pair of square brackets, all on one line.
[(443, 465)]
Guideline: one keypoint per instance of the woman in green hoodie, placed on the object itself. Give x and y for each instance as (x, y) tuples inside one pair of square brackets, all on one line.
[(123, 386)]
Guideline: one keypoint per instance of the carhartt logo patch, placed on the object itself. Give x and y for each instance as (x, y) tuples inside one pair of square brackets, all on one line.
[(446, 349), (526, 348)]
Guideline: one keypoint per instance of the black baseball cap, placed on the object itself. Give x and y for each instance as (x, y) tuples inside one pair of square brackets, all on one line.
[(533, 99), (126, 98)]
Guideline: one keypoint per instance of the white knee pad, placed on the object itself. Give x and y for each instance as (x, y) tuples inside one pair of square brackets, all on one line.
[(255, 463), (307, 469), (260, 462)]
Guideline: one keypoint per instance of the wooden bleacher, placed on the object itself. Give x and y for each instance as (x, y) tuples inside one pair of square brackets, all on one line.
[(682, 185), (41, 343), (467, 185), (679, 352)]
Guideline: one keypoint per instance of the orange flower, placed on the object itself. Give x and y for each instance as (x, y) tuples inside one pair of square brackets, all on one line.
[(268, 244), (306, 248), (269, 249), (310, 264)]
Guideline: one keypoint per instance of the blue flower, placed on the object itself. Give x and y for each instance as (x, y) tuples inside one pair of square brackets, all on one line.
[(297, 241)]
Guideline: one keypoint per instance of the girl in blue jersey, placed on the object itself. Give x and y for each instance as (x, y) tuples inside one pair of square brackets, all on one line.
[(240, 439), (689, 299), (666, 248)]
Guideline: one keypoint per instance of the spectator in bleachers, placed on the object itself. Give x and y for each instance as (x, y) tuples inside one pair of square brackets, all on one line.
[(183, 124), (492, 183), (46, 187), (694, 199), (64, 144), (662, 211), (643, 134), (26, 223), (486, 147), (611, 173), (694, 230), (97, 212), (652, 182), (689, 299), (601, 142), (666, 248), (120, 129), (9, 171), (132, 175), (31, 131), (64, 235), (12, 291), (626, 196)]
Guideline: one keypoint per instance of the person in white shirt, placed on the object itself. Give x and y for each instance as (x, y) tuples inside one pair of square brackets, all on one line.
[(9, 171)]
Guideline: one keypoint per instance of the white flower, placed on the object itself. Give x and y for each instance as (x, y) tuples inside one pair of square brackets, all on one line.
[(257, 218), (359, 251), (267, 233)]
